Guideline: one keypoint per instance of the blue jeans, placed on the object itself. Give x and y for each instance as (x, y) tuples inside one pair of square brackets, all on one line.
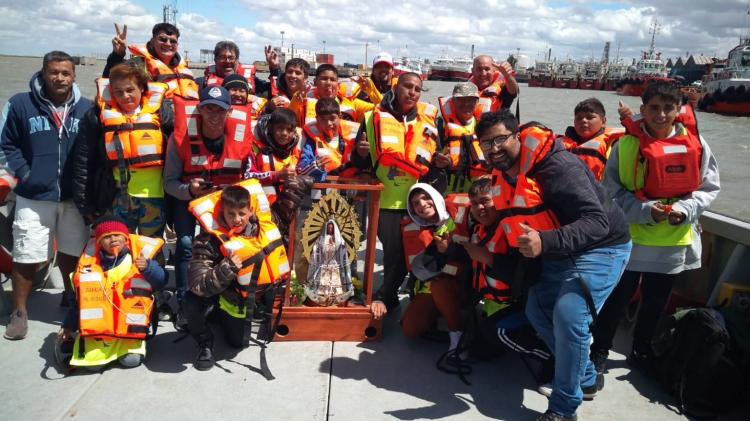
[(184, 226), (557, 309)]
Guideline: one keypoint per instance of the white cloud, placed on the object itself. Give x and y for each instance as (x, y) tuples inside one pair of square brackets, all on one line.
[(418, 28)]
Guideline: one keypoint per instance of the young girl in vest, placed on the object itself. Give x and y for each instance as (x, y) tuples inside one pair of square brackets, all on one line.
[(112, 257), (663, 215), (437, 289)]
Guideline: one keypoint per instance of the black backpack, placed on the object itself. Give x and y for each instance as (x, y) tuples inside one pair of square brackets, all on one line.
[(695, 362)]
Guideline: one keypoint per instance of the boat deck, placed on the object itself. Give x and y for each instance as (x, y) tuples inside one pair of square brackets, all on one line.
[(395, 378)]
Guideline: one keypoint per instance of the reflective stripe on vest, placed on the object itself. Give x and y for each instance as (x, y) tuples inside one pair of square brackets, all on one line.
[(179, 79), (134, 140)]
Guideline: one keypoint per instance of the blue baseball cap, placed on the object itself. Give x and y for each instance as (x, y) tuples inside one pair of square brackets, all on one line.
[(216, 95)]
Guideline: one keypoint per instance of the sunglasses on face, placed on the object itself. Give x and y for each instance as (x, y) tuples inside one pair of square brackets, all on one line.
[(165, 40), (497, 142)]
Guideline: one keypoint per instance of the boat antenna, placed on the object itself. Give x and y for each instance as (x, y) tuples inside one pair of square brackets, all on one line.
[(169, 13), (654, 29)]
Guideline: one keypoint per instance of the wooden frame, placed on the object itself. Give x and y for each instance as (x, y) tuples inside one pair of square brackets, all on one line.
[(351, 322)]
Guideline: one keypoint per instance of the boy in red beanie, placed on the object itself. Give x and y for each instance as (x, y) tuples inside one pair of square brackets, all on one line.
[(114, 281)]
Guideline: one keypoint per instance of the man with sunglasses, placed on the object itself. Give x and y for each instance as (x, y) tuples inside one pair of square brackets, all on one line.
[(160, 56), (552, 208)]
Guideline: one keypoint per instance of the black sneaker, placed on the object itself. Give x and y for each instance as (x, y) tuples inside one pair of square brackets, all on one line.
[(205, 358), (589, 392), (599, 358), (551, 416)]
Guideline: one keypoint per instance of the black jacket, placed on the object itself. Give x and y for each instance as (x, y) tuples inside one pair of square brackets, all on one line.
[(588, 218), (94, 186)]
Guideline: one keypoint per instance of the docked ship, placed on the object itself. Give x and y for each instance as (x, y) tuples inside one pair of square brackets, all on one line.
[(591, 76), (566, 75), (451, 69), (542, 74), (648, 69), (728, 90), (615, 73), (410, 65)]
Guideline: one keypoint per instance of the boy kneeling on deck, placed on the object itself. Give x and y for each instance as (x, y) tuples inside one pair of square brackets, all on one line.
[(240, 248), (114, 282)]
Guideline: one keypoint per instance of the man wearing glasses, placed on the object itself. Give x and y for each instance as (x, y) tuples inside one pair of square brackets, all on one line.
[(552, 208), (227, 62), (162, 61)]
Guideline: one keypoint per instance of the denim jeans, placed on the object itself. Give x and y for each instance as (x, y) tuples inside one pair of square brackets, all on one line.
[(557, 309), (184, 226)]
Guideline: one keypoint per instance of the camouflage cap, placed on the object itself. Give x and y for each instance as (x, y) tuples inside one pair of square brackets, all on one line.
[(465, 89)]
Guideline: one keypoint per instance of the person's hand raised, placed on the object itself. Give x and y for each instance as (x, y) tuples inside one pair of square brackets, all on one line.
[(120, 41)]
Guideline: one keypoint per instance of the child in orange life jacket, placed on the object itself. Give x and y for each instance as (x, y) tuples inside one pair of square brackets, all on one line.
[(589, 138), (213, 277), (327, 143), (426, 208), (114, 255), (276, 151)]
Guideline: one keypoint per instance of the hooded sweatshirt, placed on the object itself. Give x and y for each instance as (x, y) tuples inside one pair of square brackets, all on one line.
[(439, 203), (37, 137)]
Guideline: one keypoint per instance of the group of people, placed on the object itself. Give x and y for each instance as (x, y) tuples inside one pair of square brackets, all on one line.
[(549, 235)]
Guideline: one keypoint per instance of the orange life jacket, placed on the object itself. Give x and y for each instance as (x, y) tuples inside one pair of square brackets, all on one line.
[(593, 152), (492, 238), (179, 78), (462, 145), (672, 165), (349, 89), (264, 259), (408, 146), (416, 239), (276, 92), (490, 99), (522, 203), (345, 105), (132, 141), (199, 161), (245, 70), (338, 150), (115, 308)]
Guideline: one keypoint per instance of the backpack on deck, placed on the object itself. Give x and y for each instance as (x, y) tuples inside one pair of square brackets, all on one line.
[(696, 363)]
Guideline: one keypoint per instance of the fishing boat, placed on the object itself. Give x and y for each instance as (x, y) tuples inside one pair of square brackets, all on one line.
[(542, 74), (566, 75), (650, 68), (451, 69), (591, 77), (409, 65), (727, 91)]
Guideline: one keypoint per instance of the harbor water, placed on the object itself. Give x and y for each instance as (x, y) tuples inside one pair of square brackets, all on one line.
[(729, 137)]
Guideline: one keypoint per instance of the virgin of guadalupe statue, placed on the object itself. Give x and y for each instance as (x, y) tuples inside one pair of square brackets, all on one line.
[(329, 280)]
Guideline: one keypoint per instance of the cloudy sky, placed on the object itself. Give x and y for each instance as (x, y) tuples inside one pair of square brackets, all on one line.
[(419, 28)]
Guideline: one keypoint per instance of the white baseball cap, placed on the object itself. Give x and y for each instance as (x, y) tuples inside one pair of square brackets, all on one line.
[(382, 57)]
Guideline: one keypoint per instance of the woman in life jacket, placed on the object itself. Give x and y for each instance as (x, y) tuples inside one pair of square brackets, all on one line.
[(114, 283), (119, 155), (329, 279)]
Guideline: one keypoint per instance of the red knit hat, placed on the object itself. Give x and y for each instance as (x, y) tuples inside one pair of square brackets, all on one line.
[(110, 225)]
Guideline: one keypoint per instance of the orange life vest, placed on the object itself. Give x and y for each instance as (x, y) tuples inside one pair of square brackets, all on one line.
[(179, 78), (408, 146), (345, 105), (593, 152), (349, 89), (672, 165), (245, 70), (492, 238), (522, 203), (462, 145), (339, 150), (264, 259), (276, 92), (115, 308), (199, 161), (416, 239), (132, 141), (490, 97)]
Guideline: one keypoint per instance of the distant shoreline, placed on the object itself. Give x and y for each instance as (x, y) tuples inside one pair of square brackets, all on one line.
[(20, 56)]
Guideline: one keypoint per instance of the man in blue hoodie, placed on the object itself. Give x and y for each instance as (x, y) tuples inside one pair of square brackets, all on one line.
[(39, 128)]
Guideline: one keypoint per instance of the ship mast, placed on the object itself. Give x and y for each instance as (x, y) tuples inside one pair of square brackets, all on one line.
[(654, 29)]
